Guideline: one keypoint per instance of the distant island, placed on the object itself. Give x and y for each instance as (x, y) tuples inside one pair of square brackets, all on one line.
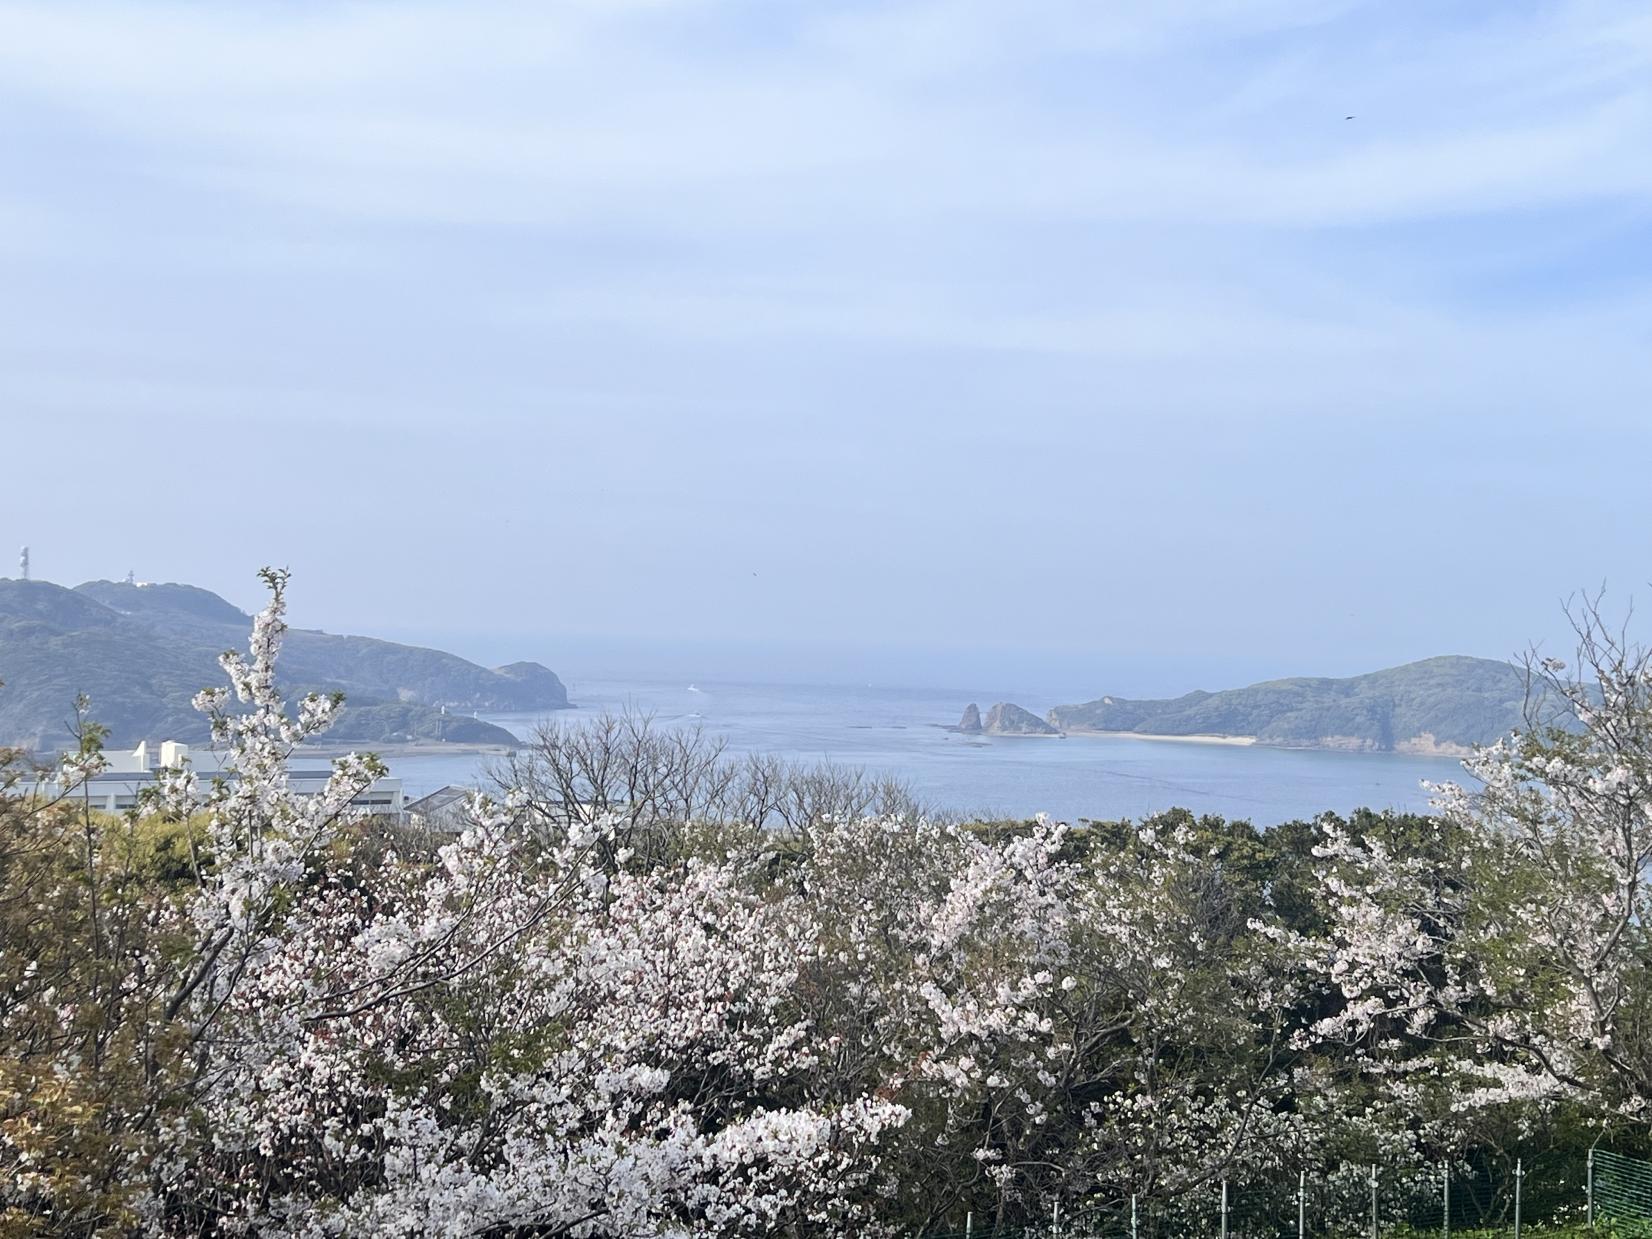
[(141, 653), (1003, 719), (1439, 706)]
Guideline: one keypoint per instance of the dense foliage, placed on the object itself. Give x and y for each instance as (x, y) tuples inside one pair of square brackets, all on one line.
[(263, 1016)]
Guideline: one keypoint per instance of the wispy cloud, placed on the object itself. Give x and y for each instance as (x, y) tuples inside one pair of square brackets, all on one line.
[(509, 113), (685, 232), (751, 148)]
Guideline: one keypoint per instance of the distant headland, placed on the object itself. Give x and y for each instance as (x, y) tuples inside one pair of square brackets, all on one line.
[(141, 652), (1436, 707)]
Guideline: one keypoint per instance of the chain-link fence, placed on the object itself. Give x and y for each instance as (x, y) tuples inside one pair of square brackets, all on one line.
[(1610, 1194), (1620, 1193)]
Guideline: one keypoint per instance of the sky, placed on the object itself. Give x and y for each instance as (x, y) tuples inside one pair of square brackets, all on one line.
[(1122, 347)]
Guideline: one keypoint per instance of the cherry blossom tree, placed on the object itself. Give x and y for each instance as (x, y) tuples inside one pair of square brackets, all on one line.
[(1515, 939), (708, 1000)]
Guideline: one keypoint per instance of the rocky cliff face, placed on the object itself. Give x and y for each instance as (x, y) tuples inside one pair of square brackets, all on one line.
[(1008, 719), (971, 722)]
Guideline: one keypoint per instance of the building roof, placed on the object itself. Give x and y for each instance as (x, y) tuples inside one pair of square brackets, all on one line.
[(441, 798)]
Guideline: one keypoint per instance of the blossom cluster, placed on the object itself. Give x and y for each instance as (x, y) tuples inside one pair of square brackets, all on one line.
[(243, 1011)]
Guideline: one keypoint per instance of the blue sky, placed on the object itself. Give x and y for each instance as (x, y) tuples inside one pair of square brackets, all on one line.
[(1047, 343)]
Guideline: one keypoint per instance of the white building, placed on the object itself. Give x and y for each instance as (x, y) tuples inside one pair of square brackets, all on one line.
[(116, 788)]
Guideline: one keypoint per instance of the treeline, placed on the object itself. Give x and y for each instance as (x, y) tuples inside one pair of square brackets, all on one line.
[(651, 990)]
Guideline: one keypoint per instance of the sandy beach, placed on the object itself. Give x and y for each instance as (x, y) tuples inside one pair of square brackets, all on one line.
[(1144, 735)]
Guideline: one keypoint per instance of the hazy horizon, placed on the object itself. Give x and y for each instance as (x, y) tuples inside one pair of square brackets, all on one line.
[(1042, 678), (843, 340)]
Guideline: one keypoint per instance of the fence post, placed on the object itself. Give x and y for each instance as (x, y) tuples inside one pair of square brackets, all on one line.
[(1055, 1220), (969, 1225), (1133, 1215), (1445, 1200), (1519, 1177), (1224, 1209), (1302, 1204), (1590, 1189), (1373, 1202)]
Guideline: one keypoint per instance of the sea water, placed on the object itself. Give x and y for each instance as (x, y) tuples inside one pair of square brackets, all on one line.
[(902, 732)]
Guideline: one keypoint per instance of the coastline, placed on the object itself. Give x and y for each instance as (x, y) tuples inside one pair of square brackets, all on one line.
[(1417, 746), (417, 748), (1239, 741)]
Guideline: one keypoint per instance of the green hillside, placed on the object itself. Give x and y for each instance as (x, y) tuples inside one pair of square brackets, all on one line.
[(1446, 704), (141, 652)]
